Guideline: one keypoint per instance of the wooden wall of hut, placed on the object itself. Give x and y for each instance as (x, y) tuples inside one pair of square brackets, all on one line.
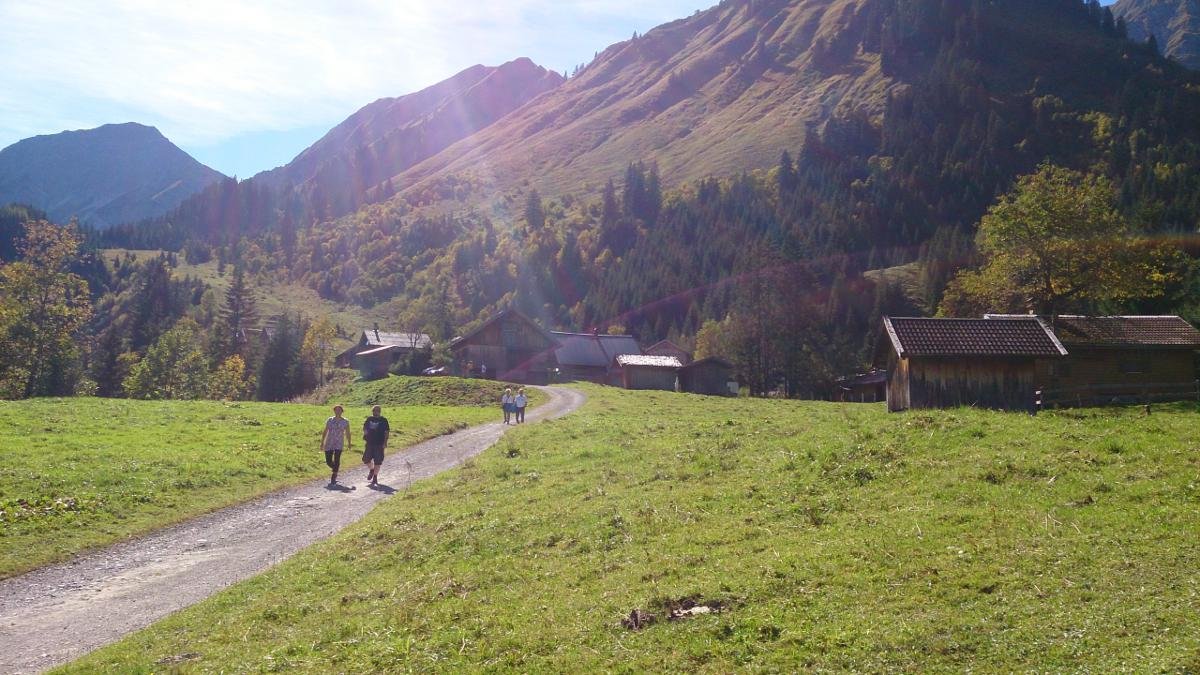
[(1002, 384)]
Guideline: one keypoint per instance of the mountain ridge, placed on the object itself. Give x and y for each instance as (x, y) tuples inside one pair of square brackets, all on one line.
[(709, 94), (1175, 24), (110, 174)]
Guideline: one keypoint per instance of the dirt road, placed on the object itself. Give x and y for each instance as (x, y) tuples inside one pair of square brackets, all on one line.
[(56, 614)]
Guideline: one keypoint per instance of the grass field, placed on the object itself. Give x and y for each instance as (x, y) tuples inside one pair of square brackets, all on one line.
[(822, 536), (76, 473), (397, 390)]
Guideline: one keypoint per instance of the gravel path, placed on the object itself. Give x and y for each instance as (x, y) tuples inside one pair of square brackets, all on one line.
[(56, 614)]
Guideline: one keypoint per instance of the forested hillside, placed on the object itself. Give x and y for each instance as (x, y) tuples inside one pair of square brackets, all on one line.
[(767, 266)]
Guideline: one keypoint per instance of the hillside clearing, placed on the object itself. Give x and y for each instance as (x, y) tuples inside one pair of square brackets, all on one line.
[(821, 536), (403, 390), (85, 472)]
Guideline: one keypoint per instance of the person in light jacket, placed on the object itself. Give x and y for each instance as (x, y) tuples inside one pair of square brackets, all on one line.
[(508, 402)]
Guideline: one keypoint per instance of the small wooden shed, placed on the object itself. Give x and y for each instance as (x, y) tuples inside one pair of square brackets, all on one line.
[(945, 363), (643, 371), (711, 376), (862, 388), (374, 364), (591, 357)]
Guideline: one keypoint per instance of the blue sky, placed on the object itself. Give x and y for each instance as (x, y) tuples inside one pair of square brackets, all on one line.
[(245, 85)]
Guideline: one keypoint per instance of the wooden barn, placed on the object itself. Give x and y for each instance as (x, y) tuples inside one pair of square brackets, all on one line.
[(668, 348), (711, 376), (862, 388), (375, 364), (510, 346), (643, 371), (945, 363), (591, 357), (1119, 358), (373, 338)]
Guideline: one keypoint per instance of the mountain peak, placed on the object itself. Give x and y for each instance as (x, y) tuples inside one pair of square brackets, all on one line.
[(111, 174)]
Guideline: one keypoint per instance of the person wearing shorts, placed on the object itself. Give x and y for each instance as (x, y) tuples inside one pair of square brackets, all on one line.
[(334, 440), (376, 432)]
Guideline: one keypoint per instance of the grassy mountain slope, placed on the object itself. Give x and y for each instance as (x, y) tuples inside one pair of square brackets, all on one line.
[(828, 537), (390, 135), (112, 174), (715, 93), (1175, 24)]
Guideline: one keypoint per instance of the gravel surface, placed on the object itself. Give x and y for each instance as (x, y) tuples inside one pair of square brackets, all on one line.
[(56, 614)]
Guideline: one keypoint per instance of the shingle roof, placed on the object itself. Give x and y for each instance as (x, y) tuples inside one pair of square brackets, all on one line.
[(405, 340), (649, 360), (1027, 337), (588, 350), (1123, 331)]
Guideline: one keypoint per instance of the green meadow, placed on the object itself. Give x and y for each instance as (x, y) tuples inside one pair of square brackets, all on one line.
[(762, 535), (84, 472), (407, 391)]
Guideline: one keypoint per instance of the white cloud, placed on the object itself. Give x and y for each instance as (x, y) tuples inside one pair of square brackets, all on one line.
[(206, 71)]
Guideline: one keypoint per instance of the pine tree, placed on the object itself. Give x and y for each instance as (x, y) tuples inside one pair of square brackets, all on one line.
[(239, 314)]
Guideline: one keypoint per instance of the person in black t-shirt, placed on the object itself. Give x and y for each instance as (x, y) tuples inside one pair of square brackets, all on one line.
[(376, 432)]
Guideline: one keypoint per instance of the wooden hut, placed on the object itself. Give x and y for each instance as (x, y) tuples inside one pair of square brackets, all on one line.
[(372, 338), (1118, 358), (862, 388), (668, 348), (374, 364), (511, 347), (712, 376), (643, 371), (943, 363), (590, 356)]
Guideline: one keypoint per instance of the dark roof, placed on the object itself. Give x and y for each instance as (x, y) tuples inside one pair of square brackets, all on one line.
[(710, 361), (1022, 337), (503, 313), (590, 350), (373, 338), (1123, 331), (649, 361), (665, 345), (863, 379)]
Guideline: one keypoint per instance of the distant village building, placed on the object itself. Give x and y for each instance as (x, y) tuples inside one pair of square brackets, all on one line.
[(711, 376), (862, 388), (372, 338), (1118, 358), (511, 346), (590, 356), (668, 348), (943, 363), (646, 371), (376, 363)]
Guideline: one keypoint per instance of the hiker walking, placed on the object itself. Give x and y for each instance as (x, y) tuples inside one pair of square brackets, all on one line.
[(334, 439), (376, 432), (509, 403), (520, 402)]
